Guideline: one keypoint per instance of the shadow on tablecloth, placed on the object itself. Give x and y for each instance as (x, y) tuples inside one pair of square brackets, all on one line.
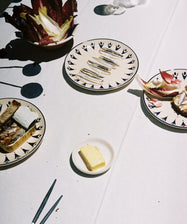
[(21, 50)]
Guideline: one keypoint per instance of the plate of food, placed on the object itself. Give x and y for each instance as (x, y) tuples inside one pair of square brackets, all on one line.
[(22, 128), (93, 156), (101, 65), (48, 24), (165, 97)]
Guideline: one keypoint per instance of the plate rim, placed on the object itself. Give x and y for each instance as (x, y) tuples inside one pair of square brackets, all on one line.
[(108, 89), (23, 158), (76, 149), (153, 115)]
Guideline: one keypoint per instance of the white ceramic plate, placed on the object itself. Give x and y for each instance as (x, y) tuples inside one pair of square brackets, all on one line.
[(28, 147), (105, 148), (166, 114), (119, 77)]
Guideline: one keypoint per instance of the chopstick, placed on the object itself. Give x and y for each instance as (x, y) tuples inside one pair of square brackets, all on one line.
[(40, 209), (50, 211)]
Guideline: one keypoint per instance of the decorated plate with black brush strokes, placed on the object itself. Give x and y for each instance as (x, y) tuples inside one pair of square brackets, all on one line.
[(101, 65), (163, 110), (25, 150)]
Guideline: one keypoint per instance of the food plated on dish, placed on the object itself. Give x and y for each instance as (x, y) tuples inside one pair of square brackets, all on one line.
[(22, 127), (17, 124), (93, 156), (164, 87), (101, 65), (165, 97), (47, 23)]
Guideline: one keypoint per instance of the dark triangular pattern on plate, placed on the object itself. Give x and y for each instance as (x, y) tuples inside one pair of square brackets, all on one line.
[(70, 62), (174, 122), (101, 87), (117, 83), (92, 45), (183, 124), (118, 47), (131, 62), (39, 128), (38, 119), (101, 44), (157, 113), (129, 74), (72, 56), (16, 155), (77, 51), (84, 84), (124, 51), (37, 136), (151, 106), (32, 143), (129, 56), (175, 75), (72, 75), (164, 118), (8, 104), (184, 75), (70, 68), (132, 68), (25, 151), (92, 86), (124, 79), (84, 47), (110, 86), (109, 45), (6, 159)]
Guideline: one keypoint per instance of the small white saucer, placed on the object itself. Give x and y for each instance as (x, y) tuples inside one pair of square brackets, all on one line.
[(105, 148)]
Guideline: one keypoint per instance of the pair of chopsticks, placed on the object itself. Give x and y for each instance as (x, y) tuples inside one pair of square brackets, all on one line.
[(40, 209)]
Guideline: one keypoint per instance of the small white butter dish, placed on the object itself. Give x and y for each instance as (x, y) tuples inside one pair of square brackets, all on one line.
[(105, 148)]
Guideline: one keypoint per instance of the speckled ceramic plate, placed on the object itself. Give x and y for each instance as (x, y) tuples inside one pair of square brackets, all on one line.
[(29, 146), (105, 148), (166, 114), (121, 75)]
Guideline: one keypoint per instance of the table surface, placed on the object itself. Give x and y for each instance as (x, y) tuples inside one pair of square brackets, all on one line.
[(147, 181)]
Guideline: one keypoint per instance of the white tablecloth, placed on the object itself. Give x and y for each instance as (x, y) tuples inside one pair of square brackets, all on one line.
[(147, 182)]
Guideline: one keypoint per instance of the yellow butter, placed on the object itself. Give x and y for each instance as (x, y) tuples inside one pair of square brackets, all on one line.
[(92, 157)]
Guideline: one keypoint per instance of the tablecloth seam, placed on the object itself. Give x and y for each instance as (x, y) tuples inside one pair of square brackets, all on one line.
[(133, 114)]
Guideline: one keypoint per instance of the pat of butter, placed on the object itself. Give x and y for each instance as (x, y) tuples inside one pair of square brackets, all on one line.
[(92, 157)]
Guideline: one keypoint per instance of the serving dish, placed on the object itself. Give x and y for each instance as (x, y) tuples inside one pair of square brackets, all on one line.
[(123, 74), (59, 44), (165, 113), (105, 148), (29, 146)]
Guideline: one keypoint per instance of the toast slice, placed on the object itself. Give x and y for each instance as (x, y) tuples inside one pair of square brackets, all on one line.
[(8, 113), (179, 103), (13, 132)]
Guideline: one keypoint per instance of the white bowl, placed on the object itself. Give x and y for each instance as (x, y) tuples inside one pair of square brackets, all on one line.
[(53, 46), (58, 44)]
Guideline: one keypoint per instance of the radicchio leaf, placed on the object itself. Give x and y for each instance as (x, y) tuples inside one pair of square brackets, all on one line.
[(54, 8), (24, 19)]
